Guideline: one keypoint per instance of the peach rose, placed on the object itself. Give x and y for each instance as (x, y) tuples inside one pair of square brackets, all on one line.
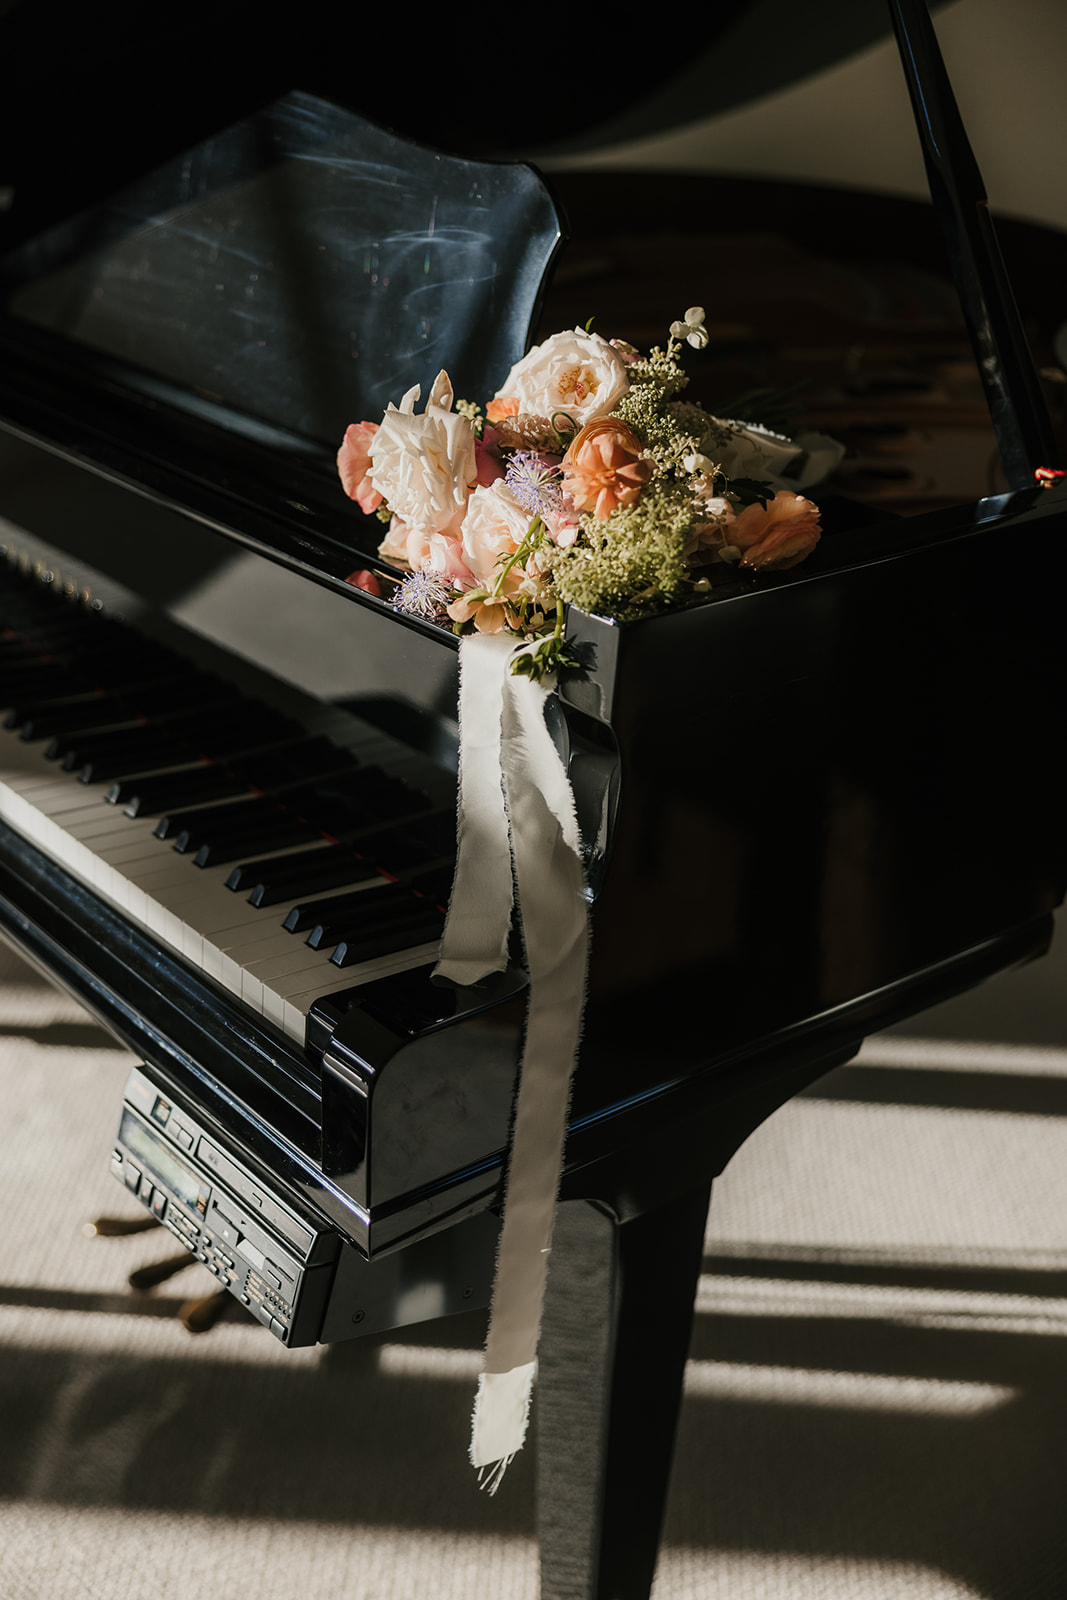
[(777, 536), (353, 464), (494, 527), (603, 469)]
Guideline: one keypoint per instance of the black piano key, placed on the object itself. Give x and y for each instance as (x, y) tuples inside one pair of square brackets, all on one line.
[(419, 841), (435, 882), (285, 878), (114, 752), (351, 952), (161, 703), (37, 678), (202, 824), (20, 713), (253, 764), (348, 807), (66, 714), (303, 918), (193, 827), (138, 747), (281, 832), (359, 915), (144, 796)]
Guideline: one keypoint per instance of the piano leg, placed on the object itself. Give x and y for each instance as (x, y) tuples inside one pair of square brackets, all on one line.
[(616, 1330)]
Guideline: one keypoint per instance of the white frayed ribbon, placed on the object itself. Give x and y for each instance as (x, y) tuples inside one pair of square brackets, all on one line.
[(516, 811)]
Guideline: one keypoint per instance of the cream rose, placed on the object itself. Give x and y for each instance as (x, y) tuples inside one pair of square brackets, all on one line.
[(578, 373), (425, 465), (495, 526)]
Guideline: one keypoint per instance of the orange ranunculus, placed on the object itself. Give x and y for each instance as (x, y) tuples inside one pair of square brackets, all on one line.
[(353, 465), (497, 410), (778, 535), (603, 468)]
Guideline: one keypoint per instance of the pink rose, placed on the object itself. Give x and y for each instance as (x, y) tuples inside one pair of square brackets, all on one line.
[(488, 463), (353, 464), (445, 555), (405, 546), (362, 579)]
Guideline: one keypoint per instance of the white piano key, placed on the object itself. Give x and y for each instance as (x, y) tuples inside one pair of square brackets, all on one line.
[(287, 964), (96, 826), (243, 948)]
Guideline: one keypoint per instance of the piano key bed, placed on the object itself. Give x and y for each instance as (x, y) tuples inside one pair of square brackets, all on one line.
[(281, 864)]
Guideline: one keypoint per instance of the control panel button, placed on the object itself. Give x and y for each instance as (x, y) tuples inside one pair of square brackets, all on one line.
[(132, 1176)]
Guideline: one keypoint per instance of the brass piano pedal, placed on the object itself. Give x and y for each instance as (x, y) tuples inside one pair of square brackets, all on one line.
[(117, 1227), (159, 1271), (201, 1315)]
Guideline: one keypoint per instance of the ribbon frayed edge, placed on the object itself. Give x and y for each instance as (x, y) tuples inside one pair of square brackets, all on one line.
[(501, 1418)]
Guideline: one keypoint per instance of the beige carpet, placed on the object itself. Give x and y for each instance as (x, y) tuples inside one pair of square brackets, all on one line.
[(876, 1403)]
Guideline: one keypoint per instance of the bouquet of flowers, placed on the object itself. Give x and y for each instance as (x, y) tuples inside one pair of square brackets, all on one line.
[(585, 479)]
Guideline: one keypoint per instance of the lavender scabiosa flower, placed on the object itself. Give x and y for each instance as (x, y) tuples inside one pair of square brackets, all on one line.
[(424, 594), (534, 481)]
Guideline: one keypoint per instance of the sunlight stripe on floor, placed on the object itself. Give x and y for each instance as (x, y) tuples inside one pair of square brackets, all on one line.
[(783, 1297), (848, 1391), (962, 1055)]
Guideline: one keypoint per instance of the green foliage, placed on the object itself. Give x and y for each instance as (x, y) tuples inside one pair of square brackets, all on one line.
[(633, 563)]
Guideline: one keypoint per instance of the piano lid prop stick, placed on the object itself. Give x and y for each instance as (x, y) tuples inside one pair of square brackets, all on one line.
[(1012, 389), (498, 709)]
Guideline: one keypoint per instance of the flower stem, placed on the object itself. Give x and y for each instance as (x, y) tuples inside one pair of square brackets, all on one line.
[(529, 544)]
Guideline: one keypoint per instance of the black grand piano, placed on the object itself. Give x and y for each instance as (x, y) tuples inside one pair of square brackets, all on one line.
[(811, 806)]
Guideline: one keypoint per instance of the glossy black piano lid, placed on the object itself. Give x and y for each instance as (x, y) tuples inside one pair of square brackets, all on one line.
[(294, 273), (301, 267)]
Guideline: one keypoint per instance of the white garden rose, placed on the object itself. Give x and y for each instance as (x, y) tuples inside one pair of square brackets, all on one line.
[(424, 466), (578, 373)]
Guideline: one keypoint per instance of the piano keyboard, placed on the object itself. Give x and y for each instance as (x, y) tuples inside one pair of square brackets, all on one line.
[(278, 864)]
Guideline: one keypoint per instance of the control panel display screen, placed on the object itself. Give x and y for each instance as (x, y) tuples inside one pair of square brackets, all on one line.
[(172, 1173)]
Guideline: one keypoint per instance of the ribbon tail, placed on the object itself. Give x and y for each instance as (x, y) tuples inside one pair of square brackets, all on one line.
[(548, 870), (501, 1417), (475, 940)]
